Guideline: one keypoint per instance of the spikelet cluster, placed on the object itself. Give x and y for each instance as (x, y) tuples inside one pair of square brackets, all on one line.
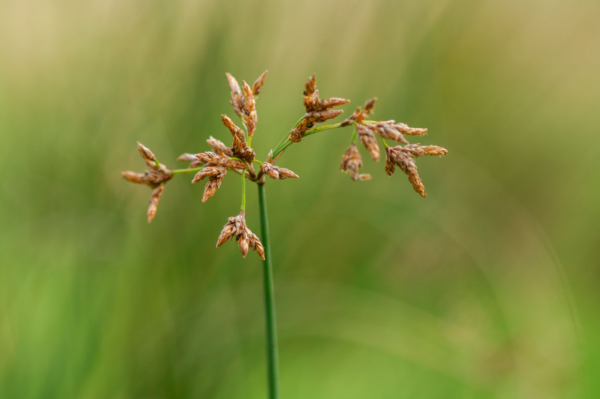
[(403, 156), (155, 178), (239, 158), (237, 229), (317, 110)]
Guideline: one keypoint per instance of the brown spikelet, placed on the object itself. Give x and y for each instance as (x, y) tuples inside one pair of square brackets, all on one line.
[(154, 198), (258, 84), (133, 177), (249, 109), (390, 167), (210, 188), (235, 131), (331, 102), (322, 116), (187, 157), (311, 85), (227, 232), (207, 171), (424, 150), (352, 162), (236, 94), (213, 159), (387, 131), (242, 240), (369, 105), (275, 172), (256, 245), (406, 162), (410, 131), (219, 147), (369, 140), (146, 153)]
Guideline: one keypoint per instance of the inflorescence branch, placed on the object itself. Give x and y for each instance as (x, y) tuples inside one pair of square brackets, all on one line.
[(240, 157)]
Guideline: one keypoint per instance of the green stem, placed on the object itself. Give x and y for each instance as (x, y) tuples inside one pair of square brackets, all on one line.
[(181, 171), (271, 328), (285, 144), (322, 128), (243, 190)]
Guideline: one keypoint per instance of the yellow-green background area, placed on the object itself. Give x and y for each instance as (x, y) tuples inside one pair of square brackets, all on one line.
[(488, 288)]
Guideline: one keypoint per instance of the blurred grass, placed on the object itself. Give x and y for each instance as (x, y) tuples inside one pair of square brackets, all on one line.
[(486, 289)]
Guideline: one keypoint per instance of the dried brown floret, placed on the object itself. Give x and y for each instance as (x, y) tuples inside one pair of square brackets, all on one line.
[(219, 147), (249, 109), (275, 172), (258, 84), (387, 131), (369, 140), (146, 154), (317, 110), (322, 116), (405, 161), (213, 183), (311, 85), (424, 150), (352, 162), (411, 131), (360, 114), (187, 157), (236, 94), (208, 171), (154, 178), (240, 147), (154, 198), (133, 177), (237, 229)]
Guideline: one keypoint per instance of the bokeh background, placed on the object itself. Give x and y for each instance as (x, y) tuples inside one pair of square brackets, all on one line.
[(488, 288)]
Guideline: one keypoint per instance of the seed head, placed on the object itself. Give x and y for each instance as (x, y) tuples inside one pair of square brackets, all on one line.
[(236, 228), (146, 154), (352, 162), (154, 198), (369, 140), (406, 162), (258, 84), (236, 94)]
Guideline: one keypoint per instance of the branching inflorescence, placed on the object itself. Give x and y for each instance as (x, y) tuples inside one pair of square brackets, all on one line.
[(240, 157)]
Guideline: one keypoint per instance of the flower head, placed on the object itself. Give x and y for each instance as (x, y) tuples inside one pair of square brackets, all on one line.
[(154, 178), (237, 229)]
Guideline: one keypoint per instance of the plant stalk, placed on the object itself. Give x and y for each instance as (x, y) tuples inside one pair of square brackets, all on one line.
[(271, 327)]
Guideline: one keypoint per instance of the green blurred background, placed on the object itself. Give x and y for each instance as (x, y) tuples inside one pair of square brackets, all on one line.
[(486, 289)]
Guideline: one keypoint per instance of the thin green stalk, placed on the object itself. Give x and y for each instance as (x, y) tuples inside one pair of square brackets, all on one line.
[(271, 327), (285, 144), (322, 128), (243, 190), (181, 171), (354, 134)]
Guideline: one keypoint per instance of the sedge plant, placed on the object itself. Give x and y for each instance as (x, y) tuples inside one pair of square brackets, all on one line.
[(240, 159)]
